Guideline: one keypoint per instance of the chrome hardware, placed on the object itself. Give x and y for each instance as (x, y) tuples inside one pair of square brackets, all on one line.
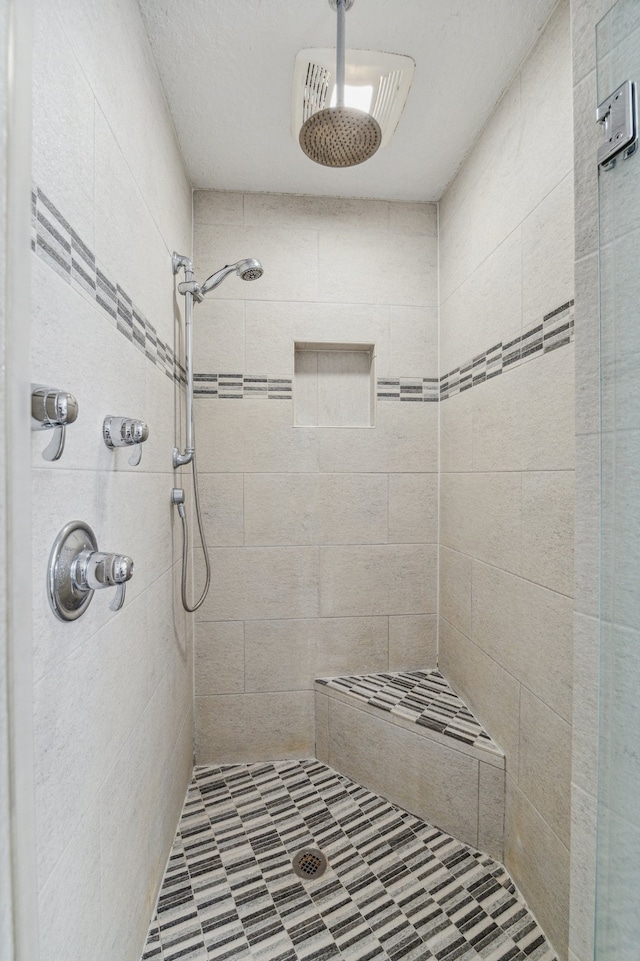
[(125, 432), (619, 116), (77, 569), (177, 500), (52, 409)]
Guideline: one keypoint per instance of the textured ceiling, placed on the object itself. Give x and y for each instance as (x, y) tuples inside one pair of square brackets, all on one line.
[(227, 66)]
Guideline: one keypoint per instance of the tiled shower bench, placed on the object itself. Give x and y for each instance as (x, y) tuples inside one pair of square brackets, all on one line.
[(411, 738)]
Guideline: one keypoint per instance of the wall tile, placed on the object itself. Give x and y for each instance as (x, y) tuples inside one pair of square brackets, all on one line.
[(222, 506), (525, 628), (402, 441), (414, 218), (379, 269), (351, 645), (535, 855), (219, 653), (583, 874), (588, 400), (547, 254), (253, 583), (491, 804), (219, 333), (544, 773), (322, 728), (72, 924), (491, 693), (413, 642), (413, 513), (395, 579), (280, 655), (270, 442), (272, 329), (63, 100), (587, 138), (289, 258), (413, 341), (432, 781), (242, 728), (217, 207), (455, 433), (548, 528), (480, 515), (127, 240), (318, 213), (486, 308), (73, 755), (524, 420), (586, 677), (455, 589), (316, 508)]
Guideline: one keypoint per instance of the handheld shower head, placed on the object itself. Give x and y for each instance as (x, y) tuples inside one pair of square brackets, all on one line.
[(245, 269)]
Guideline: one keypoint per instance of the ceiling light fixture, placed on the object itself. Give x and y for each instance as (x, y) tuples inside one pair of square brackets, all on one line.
[(375, 84)]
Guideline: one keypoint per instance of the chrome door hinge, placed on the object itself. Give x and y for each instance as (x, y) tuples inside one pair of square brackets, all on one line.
[(619, 116)]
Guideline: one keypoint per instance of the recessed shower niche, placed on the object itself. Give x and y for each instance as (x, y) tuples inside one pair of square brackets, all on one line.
[(334, 385)]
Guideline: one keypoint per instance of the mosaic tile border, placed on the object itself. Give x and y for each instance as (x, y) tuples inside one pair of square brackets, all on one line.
[(423, 697), (396, 889), (555, 330), (59, 246)]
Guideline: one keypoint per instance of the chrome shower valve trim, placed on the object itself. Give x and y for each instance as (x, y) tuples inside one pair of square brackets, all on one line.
[(125, 432), (52, 409), (77, 569)]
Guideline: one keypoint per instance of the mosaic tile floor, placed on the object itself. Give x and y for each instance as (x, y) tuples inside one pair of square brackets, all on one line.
[(396, 888), (424, 697)]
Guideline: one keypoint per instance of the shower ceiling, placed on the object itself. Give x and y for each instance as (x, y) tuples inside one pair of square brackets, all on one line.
[(227, 68)]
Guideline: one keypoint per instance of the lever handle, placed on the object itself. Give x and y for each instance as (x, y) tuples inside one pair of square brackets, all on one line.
[(118, 599), (125, 432), (94, 570), (52, 409), (55, 447)]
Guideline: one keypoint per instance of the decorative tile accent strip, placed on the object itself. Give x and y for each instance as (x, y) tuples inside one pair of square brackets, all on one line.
[(423, 697), (239, 386), (416, 389), (396, 888), (59, 246), (555, 330)]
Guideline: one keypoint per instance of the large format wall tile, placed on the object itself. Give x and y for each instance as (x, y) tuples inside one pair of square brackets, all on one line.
[(316, 509), (394, 579), (526, 628), (535, 855), (254, 727), (419, 774)]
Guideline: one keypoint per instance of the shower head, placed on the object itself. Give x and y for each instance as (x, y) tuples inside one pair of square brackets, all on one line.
[(245, 269)]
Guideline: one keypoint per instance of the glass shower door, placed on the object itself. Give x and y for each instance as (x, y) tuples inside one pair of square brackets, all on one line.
[(618, 818)]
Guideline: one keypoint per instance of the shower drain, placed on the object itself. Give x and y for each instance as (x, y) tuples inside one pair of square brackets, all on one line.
[(309, 863)]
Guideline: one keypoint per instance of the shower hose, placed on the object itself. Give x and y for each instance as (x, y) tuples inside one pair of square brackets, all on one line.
[(185, 545)]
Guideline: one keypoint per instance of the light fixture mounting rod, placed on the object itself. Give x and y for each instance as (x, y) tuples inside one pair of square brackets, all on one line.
[(347, 4)]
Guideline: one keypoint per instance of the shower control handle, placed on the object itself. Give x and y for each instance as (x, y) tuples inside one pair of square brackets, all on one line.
[(94, 570), (125, 432), (52, 409)]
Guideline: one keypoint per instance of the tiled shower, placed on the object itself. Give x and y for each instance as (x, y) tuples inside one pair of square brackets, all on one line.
[(385, 428)]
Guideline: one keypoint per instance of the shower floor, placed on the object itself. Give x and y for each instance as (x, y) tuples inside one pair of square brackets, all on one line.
[(396, 889)]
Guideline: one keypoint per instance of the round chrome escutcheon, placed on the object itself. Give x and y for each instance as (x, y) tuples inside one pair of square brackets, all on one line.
[(67, 602)]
